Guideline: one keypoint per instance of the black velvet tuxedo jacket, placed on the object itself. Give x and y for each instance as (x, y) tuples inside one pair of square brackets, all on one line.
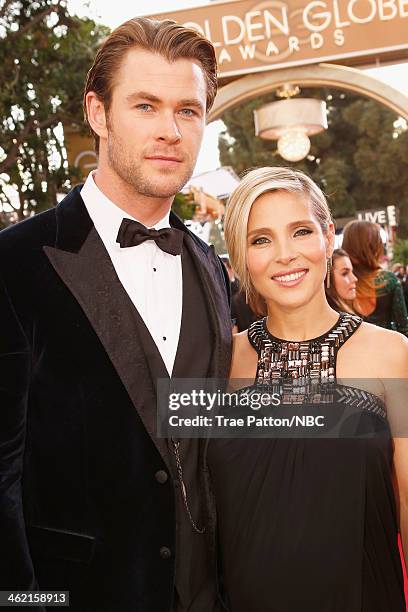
[(82, 505)]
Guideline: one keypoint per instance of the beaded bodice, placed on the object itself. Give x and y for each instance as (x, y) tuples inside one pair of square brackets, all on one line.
[(310, 359)]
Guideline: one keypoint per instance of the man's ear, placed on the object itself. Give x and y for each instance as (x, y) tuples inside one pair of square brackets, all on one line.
[(330, 240), (95, 109)]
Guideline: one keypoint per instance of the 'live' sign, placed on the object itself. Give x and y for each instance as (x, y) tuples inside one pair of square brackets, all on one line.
[(384, 216)]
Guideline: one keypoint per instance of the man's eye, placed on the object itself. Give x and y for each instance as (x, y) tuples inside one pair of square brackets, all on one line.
[(188, 112), (303, 231), (144, 107)]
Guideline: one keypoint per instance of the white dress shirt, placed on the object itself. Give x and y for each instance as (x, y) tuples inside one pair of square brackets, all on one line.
[(151, 278)]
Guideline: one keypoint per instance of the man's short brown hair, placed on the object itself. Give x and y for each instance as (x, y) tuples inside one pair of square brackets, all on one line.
[(166, 38)]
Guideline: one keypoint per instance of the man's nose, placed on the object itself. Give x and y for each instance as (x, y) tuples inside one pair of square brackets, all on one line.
[(167, 129)]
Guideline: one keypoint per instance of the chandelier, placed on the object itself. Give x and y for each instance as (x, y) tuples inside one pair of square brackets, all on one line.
[(291, 122)]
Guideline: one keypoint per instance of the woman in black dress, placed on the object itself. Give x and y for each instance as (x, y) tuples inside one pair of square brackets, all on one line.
[(306, 524)]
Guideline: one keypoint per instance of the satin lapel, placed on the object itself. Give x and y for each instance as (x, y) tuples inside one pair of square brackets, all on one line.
[(211, 275), (92, 279), (210, 272)]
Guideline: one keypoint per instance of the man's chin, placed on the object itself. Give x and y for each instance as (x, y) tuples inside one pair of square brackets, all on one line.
[(166, 187), (161, 191)]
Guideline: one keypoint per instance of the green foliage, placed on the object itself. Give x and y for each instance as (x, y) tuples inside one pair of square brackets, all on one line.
[(45, 54), (401, 252), (361, 161), (183, 206)]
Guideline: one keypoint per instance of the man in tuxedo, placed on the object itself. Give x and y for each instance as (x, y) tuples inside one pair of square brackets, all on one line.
[(100, 297)]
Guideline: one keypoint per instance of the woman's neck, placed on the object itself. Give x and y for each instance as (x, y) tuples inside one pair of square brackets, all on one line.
[(302, 323)]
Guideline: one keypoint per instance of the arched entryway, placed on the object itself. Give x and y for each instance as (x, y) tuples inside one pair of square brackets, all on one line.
[(319, 75)]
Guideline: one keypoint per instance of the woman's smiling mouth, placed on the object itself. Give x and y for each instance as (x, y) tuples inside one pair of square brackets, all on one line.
[(290, 279)]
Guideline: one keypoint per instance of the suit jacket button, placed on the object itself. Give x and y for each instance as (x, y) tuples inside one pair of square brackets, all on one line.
[(161, 476), (165, 552)]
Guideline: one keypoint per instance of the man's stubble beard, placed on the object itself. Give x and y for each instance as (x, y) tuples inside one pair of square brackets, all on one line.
[(127, 169)]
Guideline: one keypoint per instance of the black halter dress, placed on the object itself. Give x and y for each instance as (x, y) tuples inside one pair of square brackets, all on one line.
[(308, 524)]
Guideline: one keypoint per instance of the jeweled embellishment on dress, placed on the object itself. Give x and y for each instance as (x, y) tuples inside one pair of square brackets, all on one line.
[(311, 359)]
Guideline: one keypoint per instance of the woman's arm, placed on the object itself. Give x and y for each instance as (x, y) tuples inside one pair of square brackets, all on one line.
[(401, 489), (396, 389), (244, 361)]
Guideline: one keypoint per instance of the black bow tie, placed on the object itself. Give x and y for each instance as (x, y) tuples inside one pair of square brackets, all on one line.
[(131, 233)]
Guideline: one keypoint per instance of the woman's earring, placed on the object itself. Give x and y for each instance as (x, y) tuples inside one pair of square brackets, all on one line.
[(328, 273)]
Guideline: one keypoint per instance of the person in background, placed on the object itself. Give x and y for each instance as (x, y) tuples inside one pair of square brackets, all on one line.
[(405, 285), (341, 291), (380, 298), (231, 274), (399, 271), (241, 313)]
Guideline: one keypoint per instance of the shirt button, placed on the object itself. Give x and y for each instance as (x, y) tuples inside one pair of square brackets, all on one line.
[(165, 552), (164, 338), (161, 476), (154, 269)]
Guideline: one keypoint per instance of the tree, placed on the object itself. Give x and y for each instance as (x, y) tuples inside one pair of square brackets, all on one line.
[(44, 54), (361, 161), (400, 252), (184, 206)]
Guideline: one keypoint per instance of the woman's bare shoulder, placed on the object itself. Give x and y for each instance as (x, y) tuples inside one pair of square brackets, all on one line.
[(379, 350), (382, 337), (244, 357)]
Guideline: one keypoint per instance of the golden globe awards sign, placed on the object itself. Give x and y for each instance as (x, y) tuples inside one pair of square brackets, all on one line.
[(254, 36)]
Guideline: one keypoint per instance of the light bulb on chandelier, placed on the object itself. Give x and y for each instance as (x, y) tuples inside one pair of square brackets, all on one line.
[(293, 145), (291, 122)]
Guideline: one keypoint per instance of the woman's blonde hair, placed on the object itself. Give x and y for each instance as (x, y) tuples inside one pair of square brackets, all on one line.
[(254, 184)]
